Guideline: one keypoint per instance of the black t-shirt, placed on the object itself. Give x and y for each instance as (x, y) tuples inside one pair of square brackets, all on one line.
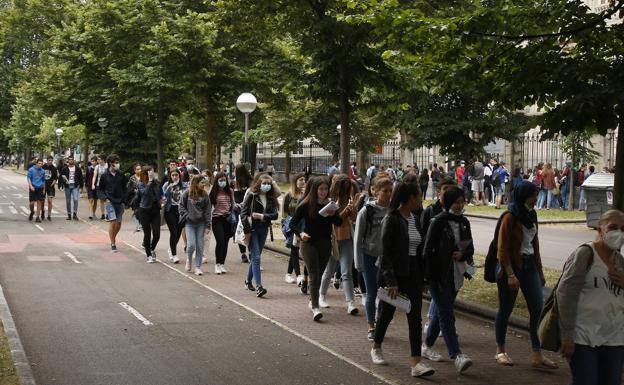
[(317, 227), (51, 175)]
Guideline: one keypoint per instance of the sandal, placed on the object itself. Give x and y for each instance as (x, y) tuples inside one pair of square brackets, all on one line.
[(543, 363), (503, 359)]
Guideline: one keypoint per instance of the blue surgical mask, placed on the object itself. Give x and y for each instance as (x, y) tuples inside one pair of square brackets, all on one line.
[(222, 183), (265, 188)]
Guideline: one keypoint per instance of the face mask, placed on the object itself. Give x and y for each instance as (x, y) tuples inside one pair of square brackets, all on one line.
[(265, 188), (614, 239), (222, 183), (117, 166), (190, 167), (457, 213), (150, 175)]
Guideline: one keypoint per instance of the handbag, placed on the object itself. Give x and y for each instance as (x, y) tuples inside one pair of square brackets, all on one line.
[(239, 234)]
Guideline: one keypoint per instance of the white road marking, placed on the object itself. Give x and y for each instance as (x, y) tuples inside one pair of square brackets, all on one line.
[(72, 257), (13, 209), (25, 210), (14, 187), (40, 228), (135, 313)]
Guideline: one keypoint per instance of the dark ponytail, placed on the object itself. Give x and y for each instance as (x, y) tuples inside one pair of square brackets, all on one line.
[(401, 194)]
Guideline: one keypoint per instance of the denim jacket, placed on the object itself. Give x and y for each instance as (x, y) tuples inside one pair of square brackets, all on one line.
[(149, 195)]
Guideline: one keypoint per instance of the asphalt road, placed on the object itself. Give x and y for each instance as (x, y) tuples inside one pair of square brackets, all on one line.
[(72, 301)]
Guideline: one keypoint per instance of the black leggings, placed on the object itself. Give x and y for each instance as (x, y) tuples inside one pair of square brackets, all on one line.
[(412, 287), (222, 233), (172, 218), (150, 221), (293, 261)]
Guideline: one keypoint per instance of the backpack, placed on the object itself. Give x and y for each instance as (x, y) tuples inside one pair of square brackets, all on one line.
[(496, 177), (370, 212), (491, 259)]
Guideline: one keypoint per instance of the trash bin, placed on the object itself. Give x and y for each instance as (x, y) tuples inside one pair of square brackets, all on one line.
[(599, 196)]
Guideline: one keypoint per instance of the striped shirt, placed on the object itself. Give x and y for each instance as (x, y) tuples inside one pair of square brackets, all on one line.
[(414, 236), (223, 205)]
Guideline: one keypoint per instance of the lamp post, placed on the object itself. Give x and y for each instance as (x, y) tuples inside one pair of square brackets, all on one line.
[(59, 133), (339, 129), (17, 145), (246, 103), (103, 123)]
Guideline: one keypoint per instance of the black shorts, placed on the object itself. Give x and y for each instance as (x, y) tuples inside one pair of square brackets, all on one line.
[(100, 195), (92, 194), (50, 191), (37, 195)]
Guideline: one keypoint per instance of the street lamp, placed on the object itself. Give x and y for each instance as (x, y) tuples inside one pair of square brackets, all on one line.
[(103, 123), (246, 103), (58, 132)]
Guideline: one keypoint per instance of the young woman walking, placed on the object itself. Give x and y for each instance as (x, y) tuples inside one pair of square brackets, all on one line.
[(520, 267), (195, 213), (133, 189), (447, 253), (172, 190), (402, 272), (222, 198), (259, 209), (149, 196), (591, 306), (344, 192), (368, 246), (291, 199), (315, 238), (241, 184)]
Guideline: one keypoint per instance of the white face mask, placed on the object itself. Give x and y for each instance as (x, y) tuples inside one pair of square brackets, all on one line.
[(150, 175), (457, 213), (614, 239), (116, 166), (265, 188), (222, 183)]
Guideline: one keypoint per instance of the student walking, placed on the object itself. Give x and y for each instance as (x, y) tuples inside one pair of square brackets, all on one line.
[(172, 190), (112, 186), (133, 191), (72, 182), (402, 272), (36, 186), (447, 254), (520, 267), (149, 196), (100, 169), (291, 199), (240, 186), (315, 238), (591, 306), (51, 177), (91, 192), (368, 246), (259, 209), (222, 197), (195, 213)]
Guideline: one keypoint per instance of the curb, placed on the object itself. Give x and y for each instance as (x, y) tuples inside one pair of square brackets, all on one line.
[(22, 366), (479, 311), (539, 221)]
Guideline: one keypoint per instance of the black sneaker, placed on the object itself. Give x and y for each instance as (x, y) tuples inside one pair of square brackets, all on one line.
[(38, 220), (68, 217), (30, 217), (114, 248), (304, 287), (102, 217), (90, 217), (337, 283), (244, 258), (75, 217), (49, 219), (42, 216), (260, 291), (249, 286)]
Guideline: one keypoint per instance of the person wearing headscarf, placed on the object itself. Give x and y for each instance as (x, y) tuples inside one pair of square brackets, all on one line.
[(447, 255), (520, 267)]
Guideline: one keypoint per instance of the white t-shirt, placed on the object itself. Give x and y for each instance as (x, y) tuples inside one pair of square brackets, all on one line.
[(414, 236), (526, 247), (72, 174), (600, 311)]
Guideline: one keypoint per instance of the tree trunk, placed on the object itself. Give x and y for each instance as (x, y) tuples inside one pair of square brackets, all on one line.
[(210, 141), (571, 181), (362, 162), (287, 166), (618, 185), (160, 154), (345, 135)]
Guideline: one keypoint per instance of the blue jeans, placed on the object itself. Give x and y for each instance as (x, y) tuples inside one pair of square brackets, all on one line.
[(71, 194), (565, 195), (601, 365), (256, 244), (443, 294), (195, 242), (531, 286), (541, 198), (345, 248), (370, 281)]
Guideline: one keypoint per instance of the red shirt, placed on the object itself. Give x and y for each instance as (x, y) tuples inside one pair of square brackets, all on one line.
[(459, 174)]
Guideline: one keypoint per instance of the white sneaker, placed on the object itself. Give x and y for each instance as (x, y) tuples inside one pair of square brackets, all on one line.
[(288, 278), (151, 260), (198, 271), (430, 353), (154, 255), (462, 363), (261, 268), (204, 260), (322, 302), (223, 271), (364, 300), (299, 280), (316, 314), (188, 264), (175, 259), (422, 370), (218, 269), (377, 357), (170, 255), (351, 308)]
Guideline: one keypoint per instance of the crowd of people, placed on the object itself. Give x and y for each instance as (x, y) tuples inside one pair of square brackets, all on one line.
[(380, 241)]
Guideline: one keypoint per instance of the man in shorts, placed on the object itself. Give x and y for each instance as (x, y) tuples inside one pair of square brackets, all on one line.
[(100, 169), (51, 177), (36, 184), (113, 188), (478, 176)]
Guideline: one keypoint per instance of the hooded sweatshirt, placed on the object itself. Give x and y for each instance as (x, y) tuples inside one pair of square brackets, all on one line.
[(367, 239)]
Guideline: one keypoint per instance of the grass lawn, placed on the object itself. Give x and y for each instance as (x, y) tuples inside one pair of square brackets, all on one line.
[(541, 214), (7, 369), (481, 292)]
